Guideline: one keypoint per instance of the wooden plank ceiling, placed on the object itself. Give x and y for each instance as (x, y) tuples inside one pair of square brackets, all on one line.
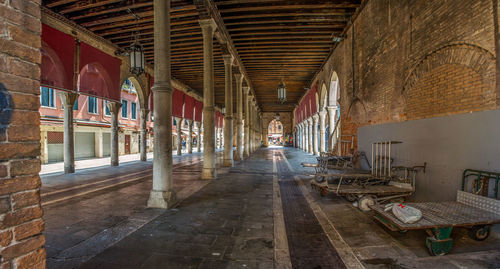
[(274, 38)]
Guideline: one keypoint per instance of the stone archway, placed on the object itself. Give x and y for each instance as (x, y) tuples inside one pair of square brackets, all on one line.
[(275, 133)]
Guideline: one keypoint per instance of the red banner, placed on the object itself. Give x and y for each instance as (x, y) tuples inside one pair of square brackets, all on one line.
[(198, 109), (177, 103), (99, 73), (58, 50), (188, 107)]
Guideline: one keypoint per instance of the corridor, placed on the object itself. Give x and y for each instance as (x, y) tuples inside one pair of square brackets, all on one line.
[(259, 214)]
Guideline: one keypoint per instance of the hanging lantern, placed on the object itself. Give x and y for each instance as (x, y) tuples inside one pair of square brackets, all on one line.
[(281, 92), (136, 54), (224, 110), (277, 116)]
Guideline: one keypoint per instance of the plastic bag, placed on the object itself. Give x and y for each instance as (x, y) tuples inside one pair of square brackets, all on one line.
[(404, 213)]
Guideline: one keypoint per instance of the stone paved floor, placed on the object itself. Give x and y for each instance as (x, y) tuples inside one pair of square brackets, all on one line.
[(83, 226), (229, 223)]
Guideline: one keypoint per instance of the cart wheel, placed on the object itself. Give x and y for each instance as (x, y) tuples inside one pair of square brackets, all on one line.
[(323, 192), (365, 202), (351, 197), (480, 232)]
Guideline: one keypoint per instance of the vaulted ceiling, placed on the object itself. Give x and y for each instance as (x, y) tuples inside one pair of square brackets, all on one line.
[(274, 39)]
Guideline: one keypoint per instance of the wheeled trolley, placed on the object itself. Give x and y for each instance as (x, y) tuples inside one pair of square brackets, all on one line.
[(474, 212)]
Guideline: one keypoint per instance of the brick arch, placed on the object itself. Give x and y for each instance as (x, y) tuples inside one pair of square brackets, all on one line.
[(473, 56), (445, 81)]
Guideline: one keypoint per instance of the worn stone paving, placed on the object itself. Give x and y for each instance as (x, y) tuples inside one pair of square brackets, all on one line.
[(377, 247), (309, 246), (227, 224), (81, 227)]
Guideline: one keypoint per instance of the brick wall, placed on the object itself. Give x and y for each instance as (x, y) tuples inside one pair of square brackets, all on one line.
[(21, 241), (415, 59)]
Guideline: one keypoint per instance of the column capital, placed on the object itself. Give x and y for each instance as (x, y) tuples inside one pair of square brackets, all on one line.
[(208, 25), (228, 59), (315, 117), (309, 121), (322, 113), (238, 77), (114, 106), (246, 90), (68, 98)]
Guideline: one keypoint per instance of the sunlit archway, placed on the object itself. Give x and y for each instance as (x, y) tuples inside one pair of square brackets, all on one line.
[(275, 133)]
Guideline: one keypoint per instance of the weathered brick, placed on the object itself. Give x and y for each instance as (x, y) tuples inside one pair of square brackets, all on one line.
[(27, 7), (22, 247), (20, 216), (29, 229), (3, 170), (23, 133), (11, 15), (16, 49), (25, 199), (25, 117), (34, 260), (10, 151), (11, 185), (25, 101), (19, 84), (6, 265), (24, 167), (5, 238), (4, 204), (23, 69)]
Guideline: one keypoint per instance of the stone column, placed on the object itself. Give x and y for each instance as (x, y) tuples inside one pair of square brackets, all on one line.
[(68, 99), (331, 126), (239, 118), (44, 150), (98, 144), (228, 116), (310, 136), (246, 103), (114, 108), (209, 160), (143, 149), (189, 139), (315, 134), (322, 131), (300, 135), (198, 136), (179, 135), (162, 195), (306, 138)]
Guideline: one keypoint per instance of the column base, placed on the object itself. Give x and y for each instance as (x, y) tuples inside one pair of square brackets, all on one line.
[(144, 157), (237, 158), (228, 163), (69, 169), (208, 173), (162, 199)]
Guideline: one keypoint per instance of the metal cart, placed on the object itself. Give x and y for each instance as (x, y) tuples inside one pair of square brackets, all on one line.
[(384, 183), (474, 212)]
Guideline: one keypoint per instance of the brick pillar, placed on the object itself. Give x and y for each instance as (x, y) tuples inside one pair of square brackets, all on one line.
[(21, 238)]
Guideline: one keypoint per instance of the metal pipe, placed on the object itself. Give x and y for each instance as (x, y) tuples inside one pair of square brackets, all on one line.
[(390, 169), (373, 164)]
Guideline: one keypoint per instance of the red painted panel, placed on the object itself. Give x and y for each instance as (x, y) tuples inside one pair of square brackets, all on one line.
[(188, 107), (198, 108), (99, 73), (58, 51), (177, 103)]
